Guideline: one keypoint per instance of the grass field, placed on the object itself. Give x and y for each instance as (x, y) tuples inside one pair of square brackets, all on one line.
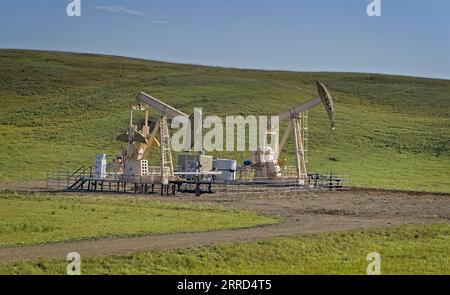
[(39, 218), (419, 249), (59, 110)]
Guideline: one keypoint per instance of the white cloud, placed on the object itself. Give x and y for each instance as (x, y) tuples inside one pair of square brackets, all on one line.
[(161, 22), (120, 9)]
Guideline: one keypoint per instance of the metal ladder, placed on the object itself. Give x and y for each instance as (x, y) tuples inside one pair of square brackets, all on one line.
[(305, 133), (167, 171), (300, 139)]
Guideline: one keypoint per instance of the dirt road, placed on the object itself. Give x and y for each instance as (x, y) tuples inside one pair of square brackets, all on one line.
[(302, 213)]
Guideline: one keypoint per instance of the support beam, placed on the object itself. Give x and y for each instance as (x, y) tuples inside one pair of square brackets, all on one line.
[(300, 161), (284, 139), (296, 151), (167, 171), (300, 109), (152, 139)]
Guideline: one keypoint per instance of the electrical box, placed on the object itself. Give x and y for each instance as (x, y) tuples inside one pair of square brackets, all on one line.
[(227, 167), (100, 166), (135, 168), (195, 163)]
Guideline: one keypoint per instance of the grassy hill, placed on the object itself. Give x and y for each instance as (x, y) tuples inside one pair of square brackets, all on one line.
[(60, 109)]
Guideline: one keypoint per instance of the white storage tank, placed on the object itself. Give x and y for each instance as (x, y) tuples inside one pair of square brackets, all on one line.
[(227, 167)]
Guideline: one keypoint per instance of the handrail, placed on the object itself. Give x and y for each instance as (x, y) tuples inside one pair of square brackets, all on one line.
[(73, 174), (79, 174)]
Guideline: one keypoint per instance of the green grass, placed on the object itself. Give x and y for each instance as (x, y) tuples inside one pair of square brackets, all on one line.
[(418, 249), (34, 219), (60, 109)]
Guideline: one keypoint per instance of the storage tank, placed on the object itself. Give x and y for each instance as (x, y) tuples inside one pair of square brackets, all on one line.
[(227, 167)]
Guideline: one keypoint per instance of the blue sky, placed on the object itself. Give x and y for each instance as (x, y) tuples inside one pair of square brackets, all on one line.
[(411, 37)]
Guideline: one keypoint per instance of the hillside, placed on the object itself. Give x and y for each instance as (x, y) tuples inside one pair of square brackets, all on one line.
[(60, 109)]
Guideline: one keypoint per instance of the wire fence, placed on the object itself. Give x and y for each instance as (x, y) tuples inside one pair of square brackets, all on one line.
[(315, 182)]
